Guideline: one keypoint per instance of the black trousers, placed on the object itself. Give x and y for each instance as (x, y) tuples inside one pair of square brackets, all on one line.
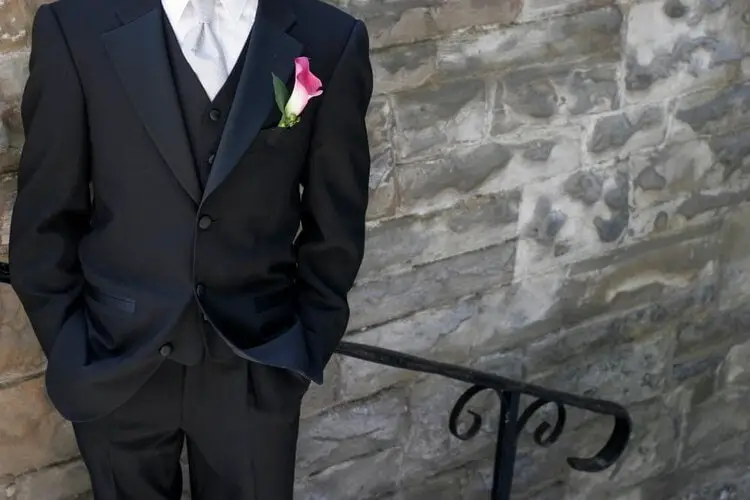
[(235, 451)]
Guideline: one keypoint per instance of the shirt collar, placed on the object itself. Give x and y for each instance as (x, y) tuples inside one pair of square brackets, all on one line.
[(236, 8), (174, 8)]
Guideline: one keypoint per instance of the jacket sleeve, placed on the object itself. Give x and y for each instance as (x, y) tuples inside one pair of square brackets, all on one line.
[(334, 200), (52, 208)]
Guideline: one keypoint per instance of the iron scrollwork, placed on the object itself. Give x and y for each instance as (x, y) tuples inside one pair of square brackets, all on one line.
[(510, 423)]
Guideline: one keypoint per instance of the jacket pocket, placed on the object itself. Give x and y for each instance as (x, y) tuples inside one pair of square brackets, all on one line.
[(122, 304), (277, 136)]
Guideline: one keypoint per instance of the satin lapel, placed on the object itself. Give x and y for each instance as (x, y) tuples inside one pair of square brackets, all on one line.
[(270, 51), (139, 53)]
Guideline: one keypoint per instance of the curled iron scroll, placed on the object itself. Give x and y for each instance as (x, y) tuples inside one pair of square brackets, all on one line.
[(458, 409), (545, 434)]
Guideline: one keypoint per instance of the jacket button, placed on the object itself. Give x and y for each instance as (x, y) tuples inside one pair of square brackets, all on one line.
[(211, 159), (214, 115), (205, 222), (165, 350), (200, 290)]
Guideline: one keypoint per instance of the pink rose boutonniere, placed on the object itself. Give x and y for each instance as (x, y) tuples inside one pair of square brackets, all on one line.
[(306, 86)]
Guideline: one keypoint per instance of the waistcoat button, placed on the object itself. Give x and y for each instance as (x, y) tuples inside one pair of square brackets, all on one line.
[(205, 222), (165, 350)]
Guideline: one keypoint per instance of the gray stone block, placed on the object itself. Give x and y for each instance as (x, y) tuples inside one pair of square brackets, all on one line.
[(594, 34), (432, 120), (394, 296), (351, 431), (402, 243)]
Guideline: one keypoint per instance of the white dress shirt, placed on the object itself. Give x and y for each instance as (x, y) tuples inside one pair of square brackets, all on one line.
[(233, 21)]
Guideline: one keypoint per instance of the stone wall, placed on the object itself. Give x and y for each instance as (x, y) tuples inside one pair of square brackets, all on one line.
[(560, 193)]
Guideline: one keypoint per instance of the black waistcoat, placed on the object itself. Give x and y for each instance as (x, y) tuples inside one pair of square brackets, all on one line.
[(204, 122), (204, 119)]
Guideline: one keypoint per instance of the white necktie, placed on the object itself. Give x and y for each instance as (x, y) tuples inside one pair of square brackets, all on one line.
[(204, 43)]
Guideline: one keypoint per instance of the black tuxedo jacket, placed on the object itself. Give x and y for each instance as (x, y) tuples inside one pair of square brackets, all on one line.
[(113, 241)]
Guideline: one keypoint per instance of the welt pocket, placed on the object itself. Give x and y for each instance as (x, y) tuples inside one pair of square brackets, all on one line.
[(123, 304), (278, 135)]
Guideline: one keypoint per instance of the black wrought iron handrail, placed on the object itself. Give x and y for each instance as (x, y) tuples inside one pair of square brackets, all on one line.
[(511, 422)]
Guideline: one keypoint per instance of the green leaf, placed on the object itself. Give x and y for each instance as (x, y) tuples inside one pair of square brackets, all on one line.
[(280, 93)]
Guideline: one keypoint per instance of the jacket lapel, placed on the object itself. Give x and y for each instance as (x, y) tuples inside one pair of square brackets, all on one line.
[(138, 51), (270, 50)]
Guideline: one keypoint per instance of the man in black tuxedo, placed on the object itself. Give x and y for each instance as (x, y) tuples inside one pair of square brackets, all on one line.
[(183, 260)]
